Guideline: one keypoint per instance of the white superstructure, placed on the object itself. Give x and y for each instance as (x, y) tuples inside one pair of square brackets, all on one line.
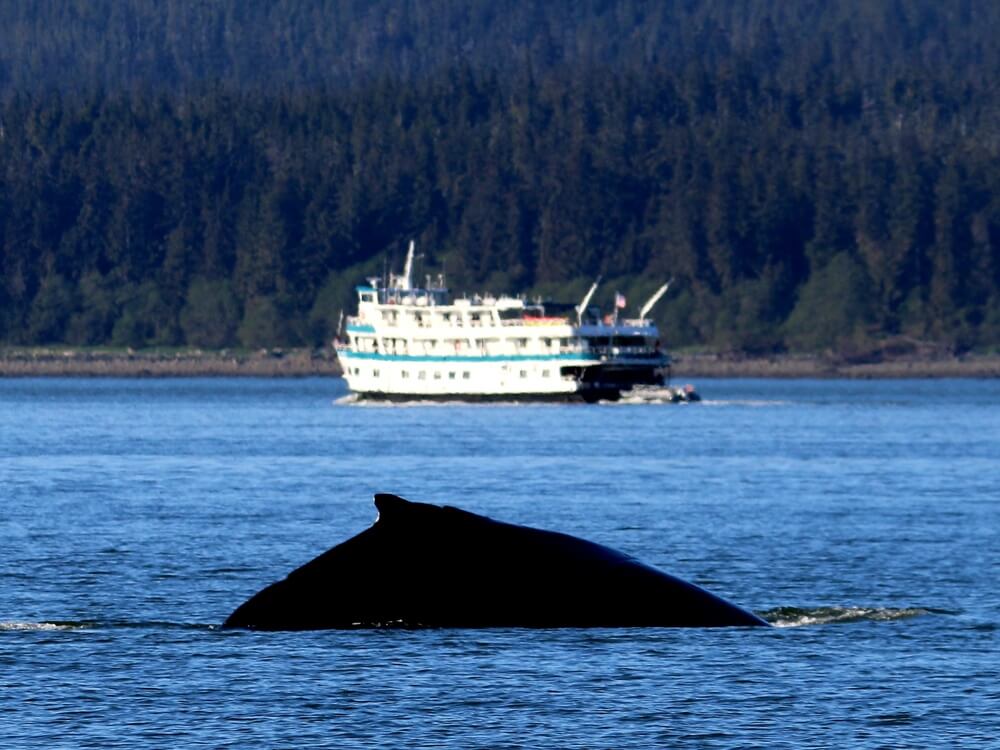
[(417, 343)]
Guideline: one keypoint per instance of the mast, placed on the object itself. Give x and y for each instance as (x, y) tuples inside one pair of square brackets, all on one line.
[(582, 307), (405, 283), (654, 299)]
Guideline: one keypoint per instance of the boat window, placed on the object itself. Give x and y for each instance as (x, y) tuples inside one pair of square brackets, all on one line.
[(437, 375), (524, 373), (422, 375), (374, 373), (545, 373), (465, 375), (451, 376), (405, 374), (628, 341)]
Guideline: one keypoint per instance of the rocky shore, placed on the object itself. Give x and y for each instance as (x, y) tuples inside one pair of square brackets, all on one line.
[(688, 366), (56, 362), (61, 362)]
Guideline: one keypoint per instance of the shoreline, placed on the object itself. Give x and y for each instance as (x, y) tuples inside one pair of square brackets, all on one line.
[(29, 362), (25, 362), (828, 367)]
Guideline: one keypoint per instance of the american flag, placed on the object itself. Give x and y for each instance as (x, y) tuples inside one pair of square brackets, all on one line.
[(619, 300)]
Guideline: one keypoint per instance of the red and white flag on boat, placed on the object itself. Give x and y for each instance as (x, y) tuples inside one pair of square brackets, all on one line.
[(619, 300)]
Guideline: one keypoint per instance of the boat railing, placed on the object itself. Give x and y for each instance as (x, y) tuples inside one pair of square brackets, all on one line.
[(552, 321), (631, 352), (636, 322)]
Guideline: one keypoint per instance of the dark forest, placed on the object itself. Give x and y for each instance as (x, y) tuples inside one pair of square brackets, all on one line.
[(812, 175)]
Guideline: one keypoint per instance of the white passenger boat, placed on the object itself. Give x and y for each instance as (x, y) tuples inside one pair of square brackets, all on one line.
[(409, 343)]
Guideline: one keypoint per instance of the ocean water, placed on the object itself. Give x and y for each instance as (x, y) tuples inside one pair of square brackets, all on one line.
[(861, 518)]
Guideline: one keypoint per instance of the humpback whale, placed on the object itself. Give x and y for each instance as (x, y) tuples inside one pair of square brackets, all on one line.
[(424, 565)]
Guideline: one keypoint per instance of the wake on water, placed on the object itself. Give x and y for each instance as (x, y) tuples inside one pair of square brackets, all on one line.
[(781, 617), (68, 625), (796, 617), (352, 399), (15, 625)]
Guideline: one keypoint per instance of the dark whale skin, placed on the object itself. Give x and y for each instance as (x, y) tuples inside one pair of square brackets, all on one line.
[(429, 566)]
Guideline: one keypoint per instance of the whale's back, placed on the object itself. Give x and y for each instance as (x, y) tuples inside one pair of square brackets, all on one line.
[(424, 565)]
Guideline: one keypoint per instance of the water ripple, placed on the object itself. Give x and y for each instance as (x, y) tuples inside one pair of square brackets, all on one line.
[(795, 617)]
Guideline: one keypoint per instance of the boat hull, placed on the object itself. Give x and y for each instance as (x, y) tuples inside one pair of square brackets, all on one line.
[(590, 395), (471, 379)]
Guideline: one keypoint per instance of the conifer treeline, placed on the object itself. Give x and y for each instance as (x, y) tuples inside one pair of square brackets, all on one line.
[(810, 176)]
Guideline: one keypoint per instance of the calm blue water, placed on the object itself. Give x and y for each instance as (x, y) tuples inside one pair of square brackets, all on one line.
[(862, 517)]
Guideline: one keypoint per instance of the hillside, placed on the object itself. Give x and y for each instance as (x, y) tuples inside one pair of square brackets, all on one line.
[(221, 173)]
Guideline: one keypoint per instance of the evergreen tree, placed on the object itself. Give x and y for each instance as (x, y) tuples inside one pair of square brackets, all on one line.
[(216, 173)]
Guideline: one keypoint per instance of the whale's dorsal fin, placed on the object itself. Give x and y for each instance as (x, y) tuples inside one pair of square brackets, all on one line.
[(395, 510), (392, 507), (389, 504)]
